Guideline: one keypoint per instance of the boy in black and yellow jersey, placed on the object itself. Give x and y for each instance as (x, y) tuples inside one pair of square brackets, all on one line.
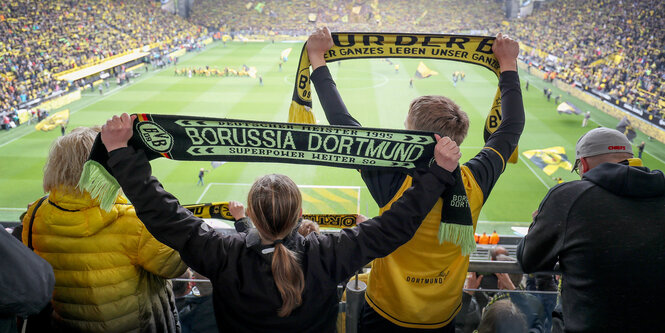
[(419, 286)]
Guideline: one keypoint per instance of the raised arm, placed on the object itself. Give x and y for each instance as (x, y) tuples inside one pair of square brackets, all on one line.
[(242, 222), (353, 248), (381, 184), (318, 44), (200, 247), (490, 162)]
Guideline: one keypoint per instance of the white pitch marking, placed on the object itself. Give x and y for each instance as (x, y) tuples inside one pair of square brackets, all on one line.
[(534, 172)]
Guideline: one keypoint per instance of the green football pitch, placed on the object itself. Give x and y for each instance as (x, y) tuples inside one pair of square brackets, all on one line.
[(375, 93)]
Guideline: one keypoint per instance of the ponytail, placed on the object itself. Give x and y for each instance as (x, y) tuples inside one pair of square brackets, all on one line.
[(274, 204), (289, 278)]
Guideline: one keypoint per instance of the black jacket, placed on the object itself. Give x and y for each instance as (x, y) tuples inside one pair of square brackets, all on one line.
[(26, 282), (244, 293), (606, 231)]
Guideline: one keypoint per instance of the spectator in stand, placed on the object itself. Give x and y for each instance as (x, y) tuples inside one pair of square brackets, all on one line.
[(503, 317), (394, 302), (110, 272), (341, 15), (544, 282), (604, 230), (26, 282), (196, 308), (469, 316)]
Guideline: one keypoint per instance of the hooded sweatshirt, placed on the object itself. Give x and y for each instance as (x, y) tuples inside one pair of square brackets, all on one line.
[(109, 270), (606, 231)]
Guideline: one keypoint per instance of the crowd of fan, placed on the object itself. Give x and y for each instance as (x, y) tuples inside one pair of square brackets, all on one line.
[(41, 38), (268, 17), (613, 46)]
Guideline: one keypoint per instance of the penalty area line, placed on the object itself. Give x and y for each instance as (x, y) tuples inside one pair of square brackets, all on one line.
[(534, 172), (204, 192)]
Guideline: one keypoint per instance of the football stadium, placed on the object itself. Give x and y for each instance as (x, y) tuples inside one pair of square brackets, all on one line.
[(557, 183)]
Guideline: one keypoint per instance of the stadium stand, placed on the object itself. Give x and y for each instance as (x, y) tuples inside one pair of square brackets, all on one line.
[(39, 39), (612, 47), (575, 41), (267, 17), (615, 47)]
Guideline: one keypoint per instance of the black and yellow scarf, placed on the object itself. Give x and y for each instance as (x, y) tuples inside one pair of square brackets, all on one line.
[(355, 45), (211, 139), (220, 139), (220, 210)]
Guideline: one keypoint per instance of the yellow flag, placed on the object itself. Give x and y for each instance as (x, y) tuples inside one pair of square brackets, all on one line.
[(285, 54), (53, 121), (424, 72), (549, 159)]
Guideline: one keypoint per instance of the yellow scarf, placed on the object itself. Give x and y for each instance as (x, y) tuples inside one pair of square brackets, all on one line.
[(471, 49)]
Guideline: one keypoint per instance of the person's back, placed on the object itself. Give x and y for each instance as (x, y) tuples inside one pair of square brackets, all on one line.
[(612, 258), (109, 270), (419, 285), (27, 282), (606, 233), (503, 317), (272, 279)]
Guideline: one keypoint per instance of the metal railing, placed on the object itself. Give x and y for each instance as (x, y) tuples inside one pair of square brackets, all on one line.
[(355, 289)]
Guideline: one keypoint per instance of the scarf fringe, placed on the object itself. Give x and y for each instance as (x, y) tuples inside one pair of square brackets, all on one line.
[(301, 114), (100, 184), (460, 235)]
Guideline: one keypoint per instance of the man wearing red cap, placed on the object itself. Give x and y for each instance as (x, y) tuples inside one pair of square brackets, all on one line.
[(606, 231)]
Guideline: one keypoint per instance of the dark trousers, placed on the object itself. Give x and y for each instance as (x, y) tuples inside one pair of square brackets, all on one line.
[(371, 321)]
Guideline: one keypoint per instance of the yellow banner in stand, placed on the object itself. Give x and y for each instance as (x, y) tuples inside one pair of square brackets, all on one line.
[(220, 210)]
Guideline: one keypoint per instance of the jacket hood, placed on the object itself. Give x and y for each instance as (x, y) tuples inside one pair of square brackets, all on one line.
[(74, 214), (625, 180)]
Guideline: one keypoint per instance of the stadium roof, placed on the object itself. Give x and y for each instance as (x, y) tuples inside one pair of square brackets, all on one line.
[(85, 72)]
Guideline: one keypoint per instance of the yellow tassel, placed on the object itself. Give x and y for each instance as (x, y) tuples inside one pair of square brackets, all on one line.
[(301, 114)]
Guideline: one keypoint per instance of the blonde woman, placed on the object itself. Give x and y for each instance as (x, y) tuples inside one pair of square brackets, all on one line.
[(109, 271), (272, 279)]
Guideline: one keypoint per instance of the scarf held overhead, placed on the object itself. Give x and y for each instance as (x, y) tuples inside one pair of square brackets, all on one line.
[(210, 139), (456, 225), (348, 45)]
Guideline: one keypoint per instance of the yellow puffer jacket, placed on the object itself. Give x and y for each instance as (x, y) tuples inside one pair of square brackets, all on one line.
[(109, 270)]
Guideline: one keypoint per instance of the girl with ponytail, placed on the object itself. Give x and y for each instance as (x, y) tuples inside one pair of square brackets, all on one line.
[(275, 205), (272, 279)]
